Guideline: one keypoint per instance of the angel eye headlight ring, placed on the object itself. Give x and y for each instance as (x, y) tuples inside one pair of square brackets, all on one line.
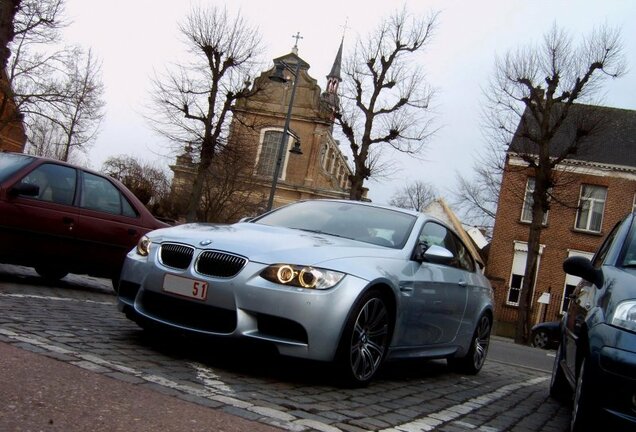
[(285, 274), (302, 276)]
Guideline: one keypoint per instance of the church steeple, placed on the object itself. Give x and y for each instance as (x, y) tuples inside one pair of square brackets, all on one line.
[(334, 79), (329, 97)]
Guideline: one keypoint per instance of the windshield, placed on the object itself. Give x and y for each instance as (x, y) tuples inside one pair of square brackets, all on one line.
[(629, 259), (11, 162), (379, 226)]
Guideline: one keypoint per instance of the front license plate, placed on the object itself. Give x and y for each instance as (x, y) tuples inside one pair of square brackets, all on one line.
[(185, 287)]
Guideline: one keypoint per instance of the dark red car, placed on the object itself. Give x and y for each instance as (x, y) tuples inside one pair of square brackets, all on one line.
[(60, 218)]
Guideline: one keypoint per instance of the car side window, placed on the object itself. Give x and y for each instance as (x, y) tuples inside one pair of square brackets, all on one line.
[(434, 234), (464, 259), (101, 195), (56, 183), (598, 259)]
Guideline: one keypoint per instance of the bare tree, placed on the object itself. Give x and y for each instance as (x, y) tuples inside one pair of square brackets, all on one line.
[(415, 196), (230, 192), (531, 98), (45, 138), (476, 197), (192, 103), (37, 59), (72, 122), (8, 10), (55, 87), (385, 97), (81, 112), (149, 183)]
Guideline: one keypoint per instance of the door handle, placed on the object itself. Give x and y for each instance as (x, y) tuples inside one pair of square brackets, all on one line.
[(68, 222), (462, 283)]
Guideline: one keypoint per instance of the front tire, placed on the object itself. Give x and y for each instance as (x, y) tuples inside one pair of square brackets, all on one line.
[(365, 339), (559, 386), (584, 412), (50, 273), (474, 360)]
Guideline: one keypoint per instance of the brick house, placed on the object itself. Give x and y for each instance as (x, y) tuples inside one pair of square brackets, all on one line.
[(596, 188), (321, 171), (12, 135)]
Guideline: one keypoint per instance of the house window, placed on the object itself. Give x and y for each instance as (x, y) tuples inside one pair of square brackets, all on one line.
[(518, 272), (589, 216), (572, 281), (516, 281), (268, 154), (526, 213)]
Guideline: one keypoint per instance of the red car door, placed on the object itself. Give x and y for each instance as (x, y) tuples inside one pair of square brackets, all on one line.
[(39, 227), (109, 225)]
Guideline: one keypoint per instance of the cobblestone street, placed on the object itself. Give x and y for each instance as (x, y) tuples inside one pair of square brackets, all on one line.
[(77, 322)]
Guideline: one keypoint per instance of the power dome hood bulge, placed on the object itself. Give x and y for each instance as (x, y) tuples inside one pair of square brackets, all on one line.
[(269, 244)]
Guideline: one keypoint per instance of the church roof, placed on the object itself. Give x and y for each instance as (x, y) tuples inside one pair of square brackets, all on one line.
[(292, 58), (337, 64)]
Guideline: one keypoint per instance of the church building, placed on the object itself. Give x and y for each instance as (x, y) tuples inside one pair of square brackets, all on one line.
[(312, 164)]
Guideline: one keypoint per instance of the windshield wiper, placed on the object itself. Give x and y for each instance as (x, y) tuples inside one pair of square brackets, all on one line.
[(322, 232)]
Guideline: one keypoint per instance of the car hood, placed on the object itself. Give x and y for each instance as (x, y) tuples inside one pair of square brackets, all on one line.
[(269, 244)]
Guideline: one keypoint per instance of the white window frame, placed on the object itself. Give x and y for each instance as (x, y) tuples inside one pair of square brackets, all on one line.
[(521, 250), (593, 203), (526, 208), (283, 170)]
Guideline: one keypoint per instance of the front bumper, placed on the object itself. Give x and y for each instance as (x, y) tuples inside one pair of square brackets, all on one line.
[(614, 354), (305, 323)]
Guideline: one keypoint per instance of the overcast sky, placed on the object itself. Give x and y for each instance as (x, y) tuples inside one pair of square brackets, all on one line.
[(133, 38)]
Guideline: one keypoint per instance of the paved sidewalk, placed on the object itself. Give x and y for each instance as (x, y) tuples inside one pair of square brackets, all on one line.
[(38, 393)]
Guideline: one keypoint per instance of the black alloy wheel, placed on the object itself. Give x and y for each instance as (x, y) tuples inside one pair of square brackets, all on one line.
[(366, 338), (476, 357)]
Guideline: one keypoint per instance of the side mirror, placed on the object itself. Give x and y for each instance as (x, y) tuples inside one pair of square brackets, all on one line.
[(583, 268), (434, 254), (26, 189)]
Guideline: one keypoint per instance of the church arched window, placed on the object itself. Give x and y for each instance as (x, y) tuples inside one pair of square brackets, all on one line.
[(268, 153), (323, 156)]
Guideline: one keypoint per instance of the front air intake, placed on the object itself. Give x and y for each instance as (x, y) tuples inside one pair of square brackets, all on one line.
[(219, 264), (175, 255)]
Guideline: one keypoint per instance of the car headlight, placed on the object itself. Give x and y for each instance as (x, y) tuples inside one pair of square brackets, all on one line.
[(143, 246), (301, 276), (625, 315)]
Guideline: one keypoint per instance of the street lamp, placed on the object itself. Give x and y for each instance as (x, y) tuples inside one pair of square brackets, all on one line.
[(279, 77)]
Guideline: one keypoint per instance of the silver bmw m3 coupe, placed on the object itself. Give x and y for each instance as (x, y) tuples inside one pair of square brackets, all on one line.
[(339, 281)]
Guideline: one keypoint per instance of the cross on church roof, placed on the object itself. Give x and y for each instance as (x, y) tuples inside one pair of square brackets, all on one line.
[(345, 27), (297, 36)]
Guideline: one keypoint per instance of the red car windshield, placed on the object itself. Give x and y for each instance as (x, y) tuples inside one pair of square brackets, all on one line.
[(12, 162)]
